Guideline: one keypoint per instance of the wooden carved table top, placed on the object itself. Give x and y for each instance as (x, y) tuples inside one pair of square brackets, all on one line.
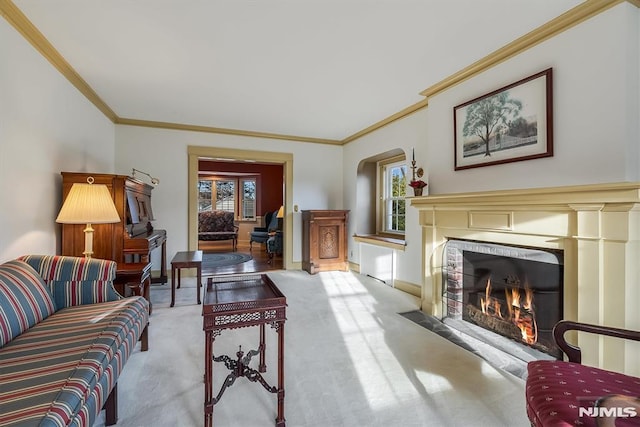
[(243, 294)]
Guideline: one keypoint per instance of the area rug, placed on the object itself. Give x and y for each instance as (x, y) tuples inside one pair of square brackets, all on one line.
[(224, 259)]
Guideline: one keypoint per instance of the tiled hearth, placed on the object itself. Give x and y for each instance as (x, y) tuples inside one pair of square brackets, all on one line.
[(597, 227)]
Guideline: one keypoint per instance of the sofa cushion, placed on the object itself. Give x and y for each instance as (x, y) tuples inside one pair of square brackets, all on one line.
[(24, 298), (60, 371), (556, 390), (75, 280)]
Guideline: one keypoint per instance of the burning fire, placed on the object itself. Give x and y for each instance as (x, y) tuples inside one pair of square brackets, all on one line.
[(519, 310)]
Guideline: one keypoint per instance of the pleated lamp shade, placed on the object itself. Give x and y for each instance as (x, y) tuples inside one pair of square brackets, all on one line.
[(88, 204)]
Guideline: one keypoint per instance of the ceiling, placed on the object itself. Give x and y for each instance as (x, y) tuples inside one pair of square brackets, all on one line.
[(323, 69)]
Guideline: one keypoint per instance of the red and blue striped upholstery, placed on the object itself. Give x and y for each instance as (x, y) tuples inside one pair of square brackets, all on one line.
[(75, 281), (61, 371), (57, 369), (24, 299)]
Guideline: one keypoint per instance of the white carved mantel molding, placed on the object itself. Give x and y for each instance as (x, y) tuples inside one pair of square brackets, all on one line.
[(596, 226)]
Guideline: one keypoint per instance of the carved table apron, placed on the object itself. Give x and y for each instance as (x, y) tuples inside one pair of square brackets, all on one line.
[(232, 302)]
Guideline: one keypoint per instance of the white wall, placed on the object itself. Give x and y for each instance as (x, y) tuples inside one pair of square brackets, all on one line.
[(46, 126), (596, 126), (595, 79), (317, 176)]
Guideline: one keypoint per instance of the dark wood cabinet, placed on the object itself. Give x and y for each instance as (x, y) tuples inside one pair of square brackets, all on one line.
[(130, 240), (324, 240)]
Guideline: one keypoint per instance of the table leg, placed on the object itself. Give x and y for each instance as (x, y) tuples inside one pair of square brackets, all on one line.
[(280, 421), (163, 263), (146, 292), (262, 367), (199, 274), (173, 285), (208, 379), (179, 277)]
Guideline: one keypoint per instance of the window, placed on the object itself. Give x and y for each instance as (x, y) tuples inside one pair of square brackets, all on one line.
[(204, 195), (394, 185), (222, 194), (248, 201), (225, 195)]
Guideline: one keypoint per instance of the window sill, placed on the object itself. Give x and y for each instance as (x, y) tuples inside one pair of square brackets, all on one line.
[(247, 220), (378, 240)]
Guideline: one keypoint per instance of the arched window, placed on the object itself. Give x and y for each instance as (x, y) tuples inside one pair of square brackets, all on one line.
[(381, 191)]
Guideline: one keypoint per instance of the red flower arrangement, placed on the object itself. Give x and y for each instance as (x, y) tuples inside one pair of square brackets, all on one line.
[(417, 183)]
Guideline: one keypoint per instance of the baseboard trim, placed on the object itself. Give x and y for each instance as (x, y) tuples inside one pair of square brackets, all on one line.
[(408, 287)]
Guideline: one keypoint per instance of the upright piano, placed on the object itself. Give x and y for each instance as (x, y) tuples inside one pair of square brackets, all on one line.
[(130, 240)]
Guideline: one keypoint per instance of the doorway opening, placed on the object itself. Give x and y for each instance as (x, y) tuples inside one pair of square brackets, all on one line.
[(225, 169)]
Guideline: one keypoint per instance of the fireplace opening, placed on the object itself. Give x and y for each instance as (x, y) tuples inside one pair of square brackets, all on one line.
[(511, 291)]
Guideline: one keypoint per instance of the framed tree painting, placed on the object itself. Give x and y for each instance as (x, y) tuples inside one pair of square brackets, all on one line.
[(510, 124)]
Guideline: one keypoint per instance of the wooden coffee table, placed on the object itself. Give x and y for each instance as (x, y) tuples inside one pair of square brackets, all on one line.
[(187, 259), (233, 302)]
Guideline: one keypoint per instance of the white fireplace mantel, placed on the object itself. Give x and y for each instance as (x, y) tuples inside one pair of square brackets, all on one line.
[(596, 226)]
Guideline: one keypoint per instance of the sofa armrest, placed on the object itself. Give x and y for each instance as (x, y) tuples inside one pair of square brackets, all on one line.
[(76, 280), (573, 352)]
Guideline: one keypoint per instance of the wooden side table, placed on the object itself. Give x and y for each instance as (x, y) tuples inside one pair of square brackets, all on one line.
[(236, 302), (186, 259), (136, 277)]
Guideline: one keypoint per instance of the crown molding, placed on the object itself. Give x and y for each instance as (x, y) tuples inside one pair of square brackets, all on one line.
[(397, 116), (563, 22), (14, 16), (578, 14), (19, 21), (225, 131), (567, 20)]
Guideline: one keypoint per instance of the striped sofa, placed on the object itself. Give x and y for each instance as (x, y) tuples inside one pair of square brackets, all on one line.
[(65, 335)]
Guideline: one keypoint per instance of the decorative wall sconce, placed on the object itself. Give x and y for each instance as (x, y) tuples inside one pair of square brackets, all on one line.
[(154, 181), (416, 173)]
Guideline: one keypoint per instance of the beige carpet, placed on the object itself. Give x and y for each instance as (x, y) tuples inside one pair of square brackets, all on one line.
[(351, 360)]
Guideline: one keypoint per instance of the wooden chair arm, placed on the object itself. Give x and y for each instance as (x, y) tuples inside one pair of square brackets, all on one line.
[(573, 352)]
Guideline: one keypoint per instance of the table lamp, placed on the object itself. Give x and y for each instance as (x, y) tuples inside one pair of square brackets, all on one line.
[(88, 204)]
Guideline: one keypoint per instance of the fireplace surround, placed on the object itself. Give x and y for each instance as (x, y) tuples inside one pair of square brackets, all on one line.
[(596, 227)]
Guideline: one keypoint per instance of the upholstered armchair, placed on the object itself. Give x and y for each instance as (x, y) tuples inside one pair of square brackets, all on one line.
[(567, 393), (274, 245), (261, 234)]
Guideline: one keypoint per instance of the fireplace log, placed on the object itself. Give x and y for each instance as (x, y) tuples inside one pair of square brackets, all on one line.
[(500, 326)]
